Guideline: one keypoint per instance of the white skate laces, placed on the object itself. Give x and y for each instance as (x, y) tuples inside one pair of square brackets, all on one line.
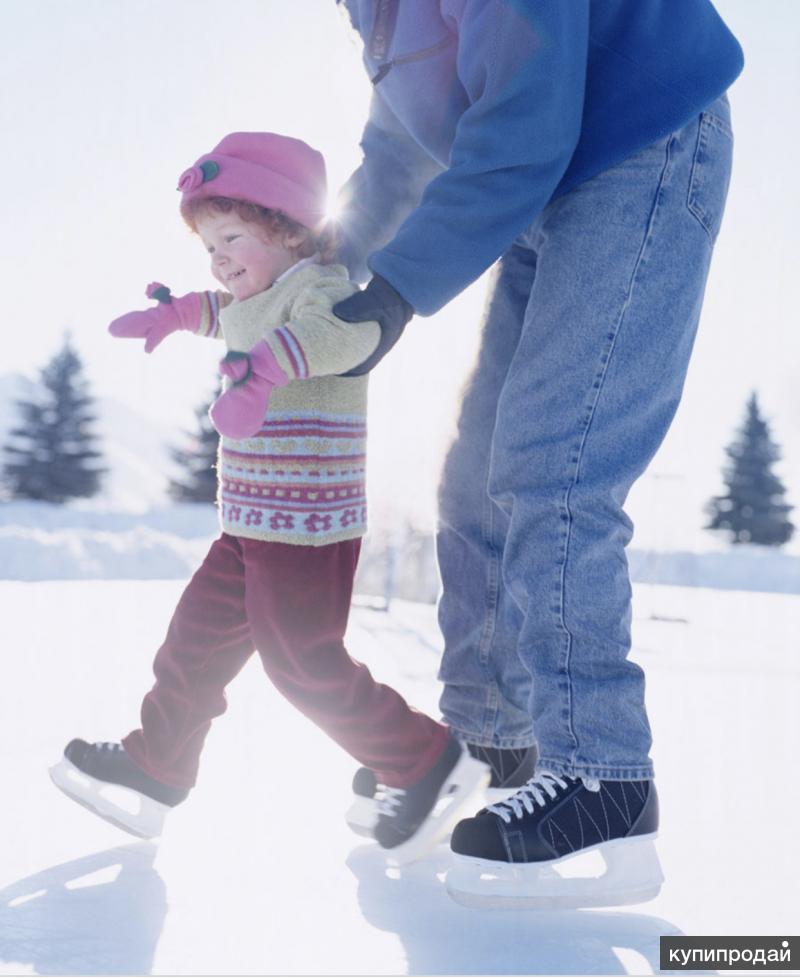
[(533, 793), (390, 800)]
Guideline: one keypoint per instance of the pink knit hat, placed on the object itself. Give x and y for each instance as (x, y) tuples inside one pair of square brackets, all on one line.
[(274, 171)]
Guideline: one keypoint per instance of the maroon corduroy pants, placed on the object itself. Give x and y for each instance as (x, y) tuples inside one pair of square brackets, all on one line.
[(290, 603)]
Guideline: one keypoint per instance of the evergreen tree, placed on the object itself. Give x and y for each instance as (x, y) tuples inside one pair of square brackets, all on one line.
[(198, 460), (51, 456), (753, 510)]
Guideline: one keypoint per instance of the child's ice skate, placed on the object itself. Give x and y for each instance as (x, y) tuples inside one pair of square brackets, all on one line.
[(510, 767), (362, 815), (102, 777), (413, 820), (517, 854)]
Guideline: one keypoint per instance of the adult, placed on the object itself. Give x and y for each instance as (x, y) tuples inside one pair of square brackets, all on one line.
[(587, 146)]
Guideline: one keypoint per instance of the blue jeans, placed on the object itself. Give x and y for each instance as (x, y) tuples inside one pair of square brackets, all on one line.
[(587, 336)]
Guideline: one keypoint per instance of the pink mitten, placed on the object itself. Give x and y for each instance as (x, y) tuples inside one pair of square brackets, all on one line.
[(239, 411), (196, 311)]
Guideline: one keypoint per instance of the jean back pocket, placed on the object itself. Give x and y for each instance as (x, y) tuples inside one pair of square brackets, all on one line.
[(711, 172)]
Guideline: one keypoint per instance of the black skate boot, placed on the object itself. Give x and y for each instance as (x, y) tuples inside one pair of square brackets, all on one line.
[(510, 767), (413, 820), (510, 855), (102, 777)]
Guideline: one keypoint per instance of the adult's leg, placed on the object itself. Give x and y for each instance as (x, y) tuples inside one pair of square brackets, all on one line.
[(592, 389), (298, 601), (207, 644), (486, 684)]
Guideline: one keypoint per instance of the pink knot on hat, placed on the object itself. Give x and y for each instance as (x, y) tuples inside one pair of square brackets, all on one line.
[(277, 172), (192, 178)]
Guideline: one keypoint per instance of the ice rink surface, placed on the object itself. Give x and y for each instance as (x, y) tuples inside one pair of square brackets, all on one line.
[(257, 872)]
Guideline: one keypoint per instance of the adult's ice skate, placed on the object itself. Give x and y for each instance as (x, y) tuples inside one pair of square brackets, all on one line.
[(515, 854), (102, 778)]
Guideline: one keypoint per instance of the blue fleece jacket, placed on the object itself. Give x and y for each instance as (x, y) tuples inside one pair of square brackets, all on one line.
[(484, 110)]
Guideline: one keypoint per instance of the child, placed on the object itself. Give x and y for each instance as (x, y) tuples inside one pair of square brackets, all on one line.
[(292, 506)]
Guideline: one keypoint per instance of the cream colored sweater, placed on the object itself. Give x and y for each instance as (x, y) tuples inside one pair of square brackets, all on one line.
[(301, 478)]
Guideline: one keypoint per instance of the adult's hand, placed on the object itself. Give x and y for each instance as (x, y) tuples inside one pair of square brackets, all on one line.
[(381, 303)]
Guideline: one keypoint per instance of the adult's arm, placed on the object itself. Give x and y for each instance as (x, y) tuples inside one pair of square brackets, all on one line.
[(383, 191), (523, 67)]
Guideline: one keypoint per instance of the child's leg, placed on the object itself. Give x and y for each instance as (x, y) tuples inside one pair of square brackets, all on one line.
[(207, 644), (298, 599)]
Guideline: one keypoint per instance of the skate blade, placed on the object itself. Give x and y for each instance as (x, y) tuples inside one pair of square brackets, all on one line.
[(362, 816), (632, 875), (134, 813), (467, 778)]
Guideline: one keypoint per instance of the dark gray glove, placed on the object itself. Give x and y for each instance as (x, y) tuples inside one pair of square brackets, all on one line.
[(380, 302)]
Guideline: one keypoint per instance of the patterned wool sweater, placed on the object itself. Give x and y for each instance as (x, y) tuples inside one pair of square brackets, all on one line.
[(301, 478)]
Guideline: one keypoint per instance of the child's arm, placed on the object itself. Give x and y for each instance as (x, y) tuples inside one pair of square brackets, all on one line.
[(209, 321), (314, 342), (197, 312)]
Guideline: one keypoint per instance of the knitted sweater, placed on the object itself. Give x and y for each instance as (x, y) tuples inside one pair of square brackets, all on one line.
[(301, 478)]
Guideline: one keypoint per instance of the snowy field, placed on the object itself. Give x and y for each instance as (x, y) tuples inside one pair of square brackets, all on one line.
[(257, 873), (83, 540)]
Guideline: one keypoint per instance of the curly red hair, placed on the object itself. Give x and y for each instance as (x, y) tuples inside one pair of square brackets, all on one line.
[(274, 223)]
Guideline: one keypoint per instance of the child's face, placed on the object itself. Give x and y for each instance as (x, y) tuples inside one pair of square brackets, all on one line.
[(243, 259)]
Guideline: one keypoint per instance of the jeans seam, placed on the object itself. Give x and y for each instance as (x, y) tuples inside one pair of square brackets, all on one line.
[(487, 528), (561, 619), (578, 458)]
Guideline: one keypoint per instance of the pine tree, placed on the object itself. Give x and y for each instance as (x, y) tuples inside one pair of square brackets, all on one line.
[(753, 510), (198, 461), (51, 456)]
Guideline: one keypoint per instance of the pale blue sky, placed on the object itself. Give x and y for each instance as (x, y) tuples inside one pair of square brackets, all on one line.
[(104, 102)]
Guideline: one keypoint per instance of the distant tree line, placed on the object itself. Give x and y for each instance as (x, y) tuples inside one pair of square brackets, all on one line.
[(52, 455), (197, 460)]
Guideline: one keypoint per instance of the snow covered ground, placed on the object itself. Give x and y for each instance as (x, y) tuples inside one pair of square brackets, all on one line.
[(257, 873), (40, 541)]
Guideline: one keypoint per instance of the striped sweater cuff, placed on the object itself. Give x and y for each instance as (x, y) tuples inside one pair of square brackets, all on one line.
[(209, 315), (294, 351)]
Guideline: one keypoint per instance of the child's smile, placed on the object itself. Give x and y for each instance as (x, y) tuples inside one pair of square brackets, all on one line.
[(243, 259)]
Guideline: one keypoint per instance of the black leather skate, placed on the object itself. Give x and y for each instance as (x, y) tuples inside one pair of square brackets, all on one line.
[(102, 777), (513, 854), (412, 820)]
